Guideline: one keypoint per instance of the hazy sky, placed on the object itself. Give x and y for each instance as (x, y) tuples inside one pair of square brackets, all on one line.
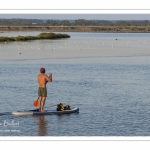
[(79, 16)]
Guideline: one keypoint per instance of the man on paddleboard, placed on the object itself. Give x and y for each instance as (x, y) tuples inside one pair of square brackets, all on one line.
[(42, 91)]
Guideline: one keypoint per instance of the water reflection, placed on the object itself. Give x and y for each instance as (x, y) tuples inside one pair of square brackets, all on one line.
[(63, 115), (42, 130)]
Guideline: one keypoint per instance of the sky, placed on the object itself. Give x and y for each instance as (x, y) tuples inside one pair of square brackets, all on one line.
[(79, 16)]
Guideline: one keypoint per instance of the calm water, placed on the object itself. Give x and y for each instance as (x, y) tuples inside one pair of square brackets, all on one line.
[(105, 75)]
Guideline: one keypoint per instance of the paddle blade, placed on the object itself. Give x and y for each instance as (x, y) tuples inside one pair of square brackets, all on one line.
[(35, 103)]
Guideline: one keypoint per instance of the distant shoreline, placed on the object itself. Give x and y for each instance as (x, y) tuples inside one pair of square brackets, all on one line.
[(103, 29)]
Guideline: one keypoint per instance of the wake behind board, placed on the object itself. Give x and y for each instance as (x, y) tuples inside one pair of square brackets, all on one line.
[(48, 112)]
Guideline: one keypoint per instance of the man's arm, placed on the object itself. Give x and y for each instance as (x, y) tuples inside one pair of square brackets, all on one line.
[(49, 79)]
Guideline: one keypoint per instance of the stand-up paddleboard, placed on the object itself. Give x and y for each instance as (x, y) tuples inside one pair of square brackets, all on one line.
[(48, 112)]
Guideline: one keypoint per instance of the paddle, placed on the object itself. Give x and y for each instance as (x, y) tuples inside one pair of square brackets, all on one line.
[(35, 103)]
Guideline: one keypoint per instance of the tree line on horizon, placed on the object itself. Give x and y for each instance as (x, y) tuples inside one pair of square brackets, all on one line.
[(79, 22)]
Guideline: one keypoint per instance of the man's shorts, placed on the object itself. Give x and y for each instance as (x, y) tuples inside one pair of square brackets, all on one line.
[(42, 92)]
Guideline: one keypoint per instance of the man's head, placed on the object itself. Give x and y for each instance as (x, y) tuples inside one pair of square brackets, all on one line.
[(42, 70)]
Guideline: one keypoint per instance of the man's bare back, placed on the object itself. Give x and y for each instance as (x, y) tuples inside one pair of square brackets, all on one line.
[(43, 78)]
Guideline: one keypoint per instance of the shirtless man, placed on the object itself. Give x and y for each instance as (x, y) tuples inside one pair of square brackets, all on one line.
[(42, 91)]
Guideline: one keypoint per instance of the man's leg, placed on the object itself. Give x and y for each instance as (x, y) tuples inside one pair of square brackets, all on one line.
[(39, 103), (43, 103)]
